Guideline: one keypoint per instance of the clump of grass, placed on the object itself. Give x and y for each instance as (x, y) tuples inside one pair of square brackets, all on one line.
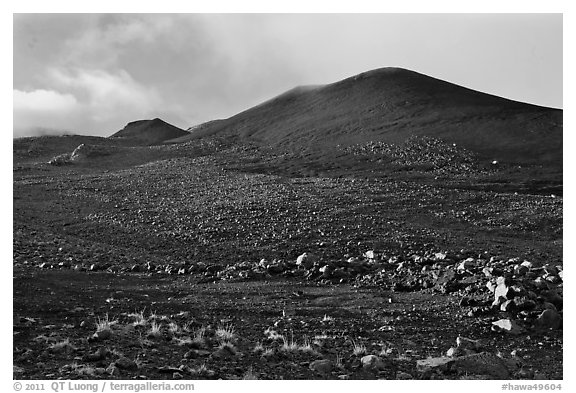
[(267, 352), (199, 339), (116, 352), (228, 346), (225, 333), (359, 349), (88, 371), (153, 315), (273, 335), (182, 341), (144, 342), (80, 369), (200, 332), (319, 339), (188, 327), (407, 354), (327, 319), (202, 371), (307, 346), (173, 328), (388, 350), (258, 348), (339, 363), (105, 324), (140, 319), (249, 375), (155, 330), (289, 346), (42, 337), (62, 347)]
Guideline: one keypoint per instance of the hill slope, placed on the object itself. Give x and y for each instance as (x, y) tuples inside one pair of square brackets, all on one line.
[(391, 105), (150, 131)]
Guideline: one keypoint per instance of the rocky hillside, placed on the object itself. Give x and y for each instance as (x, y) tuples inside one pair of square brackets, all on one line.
[(391, 105)]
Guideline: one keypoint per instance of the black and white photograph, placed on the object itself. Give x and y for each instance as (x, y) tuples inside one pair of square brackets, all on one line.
[(287, 196)]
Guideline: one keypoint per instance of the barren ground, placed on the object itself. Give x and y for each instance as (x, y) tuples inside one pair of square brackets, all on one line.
[(200, 241)]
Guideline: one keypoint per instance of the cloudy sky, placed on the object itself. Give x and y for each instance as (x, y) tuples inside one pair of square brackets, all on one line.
[(91, 74)]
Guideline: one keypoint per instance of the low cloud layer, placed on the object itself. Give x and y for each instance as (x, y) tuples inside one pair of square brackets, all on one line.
[(91, 74), (81, 98)]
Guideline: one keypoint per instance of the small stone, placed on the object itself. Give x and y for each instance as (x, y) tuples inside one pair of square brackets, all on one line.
[(468, 343), (100, 354), (447, 282), (274, 269), (401, 375), (440, 256), (551, 269), (520, 270), (440, 363), (488, 272), (113, 370), (527, 264), (370, 254), (525, 373), (454, 351), (540, 283), (196, 353), (551, 278), (372, 362), (99, 370), (466, 264), (467, 281), (509, 326), (306, 260), (102, 335), (126, 364), (323, 366)]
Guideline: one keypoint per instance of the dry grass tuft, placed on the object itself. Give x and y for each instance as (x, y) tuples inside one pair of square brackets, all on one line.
[(62, 347), (225, 333), (359, 349), (155, 330)]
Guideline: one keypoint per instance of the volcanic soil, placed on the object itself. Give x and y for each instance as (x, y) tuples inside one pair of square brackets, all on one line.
[(189, 264)]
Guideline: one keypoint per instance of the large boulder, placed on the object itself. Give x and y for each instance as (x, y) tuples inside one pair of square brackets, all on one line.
[(476, 364)]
